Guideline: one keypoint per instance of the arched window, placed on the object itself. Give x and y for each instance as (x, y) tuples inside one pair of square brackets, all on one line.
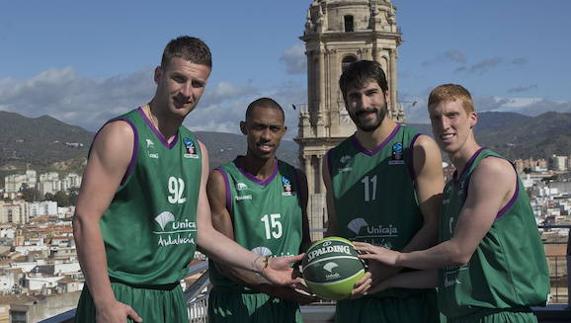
[(347, 60), (348, 23)]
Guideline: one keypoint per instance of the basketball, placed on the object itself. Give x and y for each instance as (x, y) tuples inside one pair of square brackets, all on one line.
[(331, 268)]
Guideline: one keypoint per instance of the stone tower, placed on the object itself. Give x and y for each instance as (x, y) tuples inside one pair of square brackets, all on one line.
[(337, 33)]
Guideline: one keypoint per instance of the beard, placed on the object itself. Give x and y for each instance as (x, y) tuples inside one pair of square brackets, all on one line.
[(370, 126)]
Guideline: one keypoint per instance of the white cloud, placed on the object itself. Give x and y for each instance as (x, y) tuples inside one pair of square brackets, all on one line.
[(224, 109), (294, 59), (64, 95), (86, 102)]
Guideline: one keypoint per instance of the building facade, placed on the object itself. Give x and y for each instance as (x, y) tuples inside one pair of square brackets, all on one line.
[(337, 33)]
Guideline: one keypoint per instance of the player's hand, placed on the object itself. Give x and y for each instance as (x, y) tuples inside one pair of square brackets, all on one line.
[(361, 288), (116, 312), (300, 295), (381, 286), (369, 252), (379, 273), (279, 271)]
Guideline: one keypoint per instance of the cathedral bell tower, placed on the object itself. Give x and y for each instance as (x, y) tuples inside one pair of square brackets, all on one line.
[(337, 33)]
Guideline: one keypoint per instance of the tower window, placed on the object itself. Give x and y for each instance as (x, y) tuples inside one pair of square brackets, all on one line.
[(348, 23)]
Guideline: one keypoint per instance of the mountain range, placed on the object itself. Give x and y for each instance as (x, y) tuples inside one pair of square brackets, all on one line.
[(45, 143)]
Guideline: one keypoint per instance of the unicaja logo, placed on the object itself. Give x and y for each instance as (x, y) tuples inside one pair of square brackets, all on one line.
[(164, 218), (329, 268), (241, 186), (356, 224)]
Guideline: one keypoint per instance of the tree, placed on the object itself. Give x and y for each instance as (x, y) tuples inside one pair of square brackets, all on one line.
[(30, 194), (73, 193), (61, 198), (48, 197)]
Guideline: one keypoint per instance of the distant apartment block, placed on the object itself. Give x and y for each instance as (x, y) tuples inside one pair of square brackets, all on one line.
[(13, 183), (558, 163), (45, 183), (534, 165), (44, 208), (14, 212)]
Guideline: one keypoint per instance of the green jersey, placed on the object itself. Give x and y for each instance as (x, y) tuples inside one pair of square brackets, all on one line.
[(508, 269), (374, 191), (266, 215), (149, 229)]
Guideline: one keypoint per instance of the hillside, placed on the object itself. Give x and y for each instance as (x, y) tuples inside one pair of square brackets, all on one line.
[(40, 143), (518, 136), (45, 143)]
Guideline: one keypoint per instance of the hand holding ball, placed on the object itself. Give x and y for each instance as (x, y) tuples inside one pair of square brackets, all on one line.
[(331, 267)]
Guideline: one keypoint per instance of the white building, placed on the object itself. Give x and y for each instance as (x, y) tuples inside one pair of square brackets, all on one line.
[(65, 212), (50, 176), (558, 163), (43, 208), (71, 180), (13, 183), (51, 187), (14, 212), (31, 178), (38, 282), (8, 279), (7, 232)]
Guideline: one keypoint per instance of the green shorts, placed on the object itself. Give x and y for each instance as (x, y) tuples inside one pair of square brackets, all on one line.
[(497, 317), (420, 307), (153, 305), (227, 305)]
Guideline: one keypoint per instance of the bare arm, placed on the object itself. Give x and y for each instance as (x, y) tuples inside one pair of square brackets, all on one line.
[(224, 250), (491, 187), (109, 159), (427, 164)]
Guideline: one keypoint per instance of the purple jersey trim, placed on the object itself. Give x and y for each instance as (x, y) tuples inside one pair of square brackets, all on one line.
[(228, 191), (380, 146), (257, 180), (506, 207), (157, 133), (513, 199), (410, 164), (468, 165)]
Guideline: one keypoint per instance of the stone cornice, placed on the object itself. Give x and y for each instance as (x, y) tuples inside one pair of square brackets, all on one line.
[(365, 35)]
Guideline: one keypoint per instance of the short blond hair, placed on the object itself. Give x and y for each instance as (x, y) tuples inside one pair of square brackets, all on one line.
[(451, 92)]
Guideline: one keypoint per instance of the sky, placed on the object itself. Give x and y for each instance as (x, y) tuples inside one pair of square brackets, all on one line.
[(86, 62)]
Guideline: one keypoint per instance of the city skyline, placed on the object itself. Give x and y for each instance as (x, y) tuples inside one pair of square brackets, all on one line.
[(84, 63)]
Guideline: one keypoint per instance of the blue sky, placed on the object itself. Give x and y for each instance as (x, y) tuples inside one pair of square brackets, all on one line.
[(85, 62)]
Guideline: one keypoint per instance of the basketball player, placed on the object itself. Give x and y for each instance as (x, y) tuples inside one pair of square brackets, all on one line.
[(383, 186), (260, 202), (142, 207), (491, 261)]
